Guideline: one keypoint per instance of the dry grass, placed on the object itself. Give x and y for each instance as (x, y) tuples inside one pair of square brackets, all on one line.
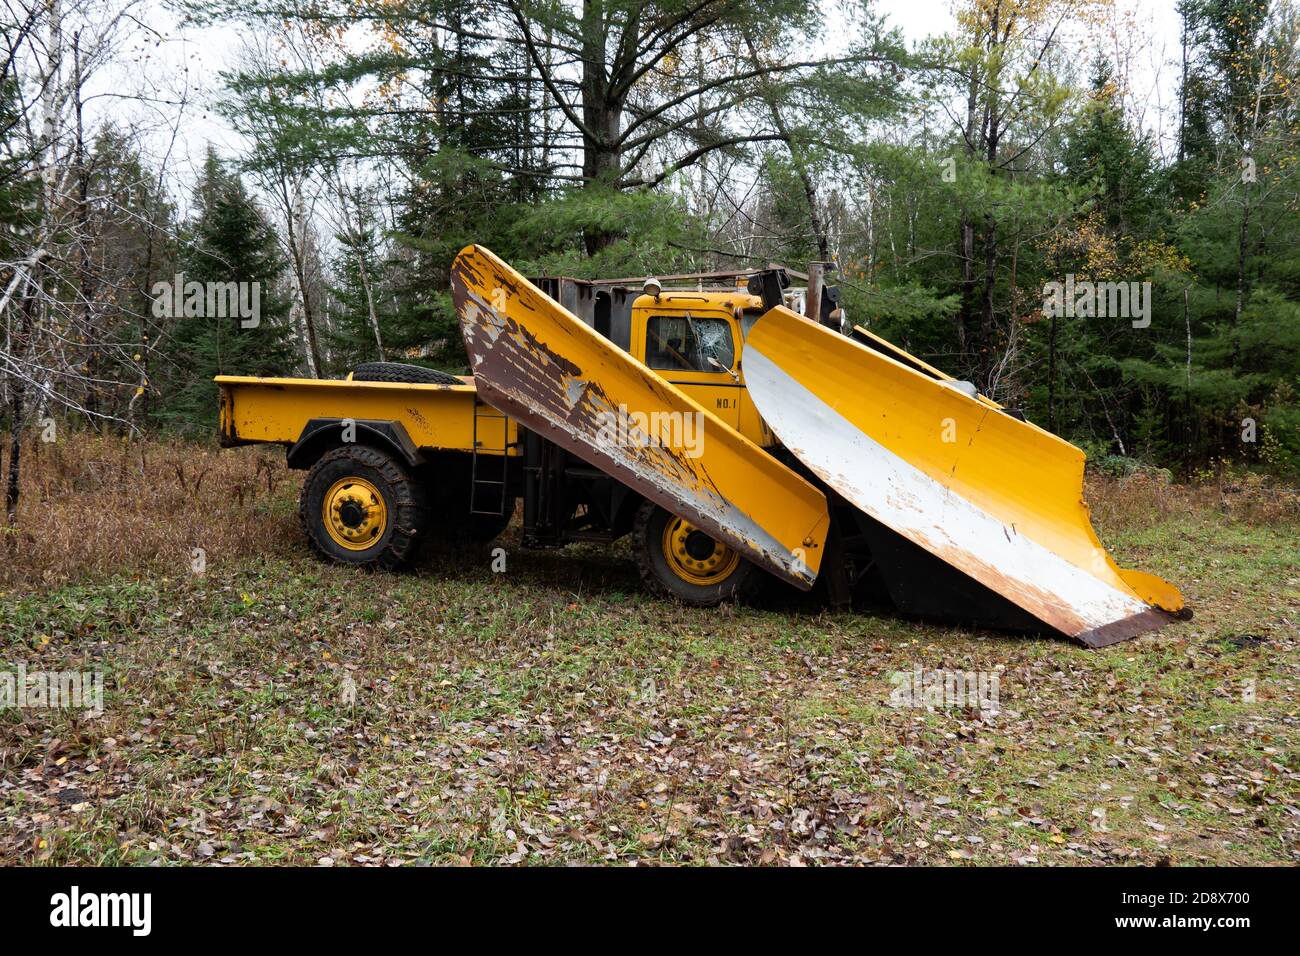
[(94, 507), (1144, 499)]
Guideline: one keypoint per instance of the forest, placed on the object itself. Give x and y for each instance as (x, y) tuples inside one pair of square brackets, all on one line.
[(965, 186)]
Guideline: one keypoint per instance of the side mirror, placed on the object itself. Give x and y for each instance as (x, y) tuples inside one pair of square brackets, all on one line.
[(719, 367)]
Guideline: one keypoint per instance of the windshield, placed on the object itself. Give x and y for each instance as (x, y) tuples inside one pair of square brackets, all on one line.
[(684, 343)]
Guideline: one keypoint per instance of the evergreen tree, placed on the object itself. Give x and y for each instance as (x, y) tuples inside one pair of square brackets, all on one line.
[(1116, 165), (228, 241), (1225, 373), (134, 249), (357, 288)]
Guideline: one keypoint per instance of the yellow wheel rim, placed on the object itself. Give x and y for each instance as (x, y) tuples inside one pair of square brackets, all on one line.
[(695, 557), (354, 514)]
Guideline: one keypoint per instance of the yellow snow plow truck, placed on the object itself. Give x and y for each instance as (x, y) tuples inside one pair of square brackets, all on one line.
[(733, 437)]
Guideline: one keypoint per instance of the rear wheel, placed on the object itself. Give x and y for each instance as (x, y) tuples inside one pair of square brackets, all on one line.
[(676, 559), (360, 506)]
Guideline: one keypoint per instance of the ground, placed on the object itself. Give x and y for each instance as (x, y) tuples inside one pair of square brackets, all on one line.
[(262, 707)]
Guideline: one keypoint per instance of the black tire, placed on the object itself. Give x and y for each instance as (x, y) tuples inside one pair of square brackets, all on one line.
[(397, 372), (404, 503), (656, 566)]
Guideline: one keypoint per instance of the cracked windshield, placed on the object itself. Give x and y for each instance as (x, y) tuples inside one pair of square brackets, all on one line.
[(687, 343)]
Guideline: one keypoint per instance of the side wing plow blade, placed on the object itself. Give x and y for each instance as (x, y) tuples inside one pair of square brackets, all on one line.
[(538, 363), (996, 498)]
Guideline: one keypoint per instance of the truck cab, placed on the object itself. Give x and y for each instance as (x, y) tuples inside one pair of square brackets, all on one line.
[(696, 340), (691, 328)]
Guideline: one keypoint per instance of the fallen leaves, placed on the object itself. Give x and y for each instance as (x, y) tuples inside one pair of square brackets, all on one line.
[(281, 711)]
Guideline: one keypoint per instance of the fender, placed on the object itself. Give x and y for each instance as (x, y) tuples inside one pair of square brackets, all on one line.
[(320, 435)]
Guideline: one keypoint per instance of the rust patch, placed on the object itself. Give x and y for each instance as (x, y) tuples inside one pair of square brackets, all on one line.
[(418, 418), (1127, 629)]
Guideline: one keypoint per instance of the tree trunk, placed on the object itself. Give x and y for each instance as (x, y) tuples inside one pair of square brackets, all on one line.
[(796, 156), (966, 256), (1182, 89), (966, 231), (1051, 374), (298, 255), (1187, 390), (15, 452), (88, 289), (1243, 237), (370, 299), (13, 483), (985, 359), (602, 114)]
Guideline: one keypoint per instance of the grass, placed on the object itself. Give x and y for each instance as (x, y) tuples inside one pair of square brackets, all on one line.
[(94, 507), (273, 709)]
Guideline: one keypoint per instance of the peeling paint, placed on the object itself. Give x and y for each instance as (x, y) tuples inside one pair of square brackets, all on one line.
[(574, 390)]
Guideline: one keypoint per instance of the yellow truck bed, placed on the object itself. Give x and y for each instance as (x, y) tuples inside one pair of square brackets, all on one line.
[(440, 417)]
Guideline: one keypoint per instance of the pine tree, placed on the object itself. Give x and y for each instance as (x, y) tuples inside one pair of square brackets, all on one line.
[(229, 240), (1117, 165), (353, 294)]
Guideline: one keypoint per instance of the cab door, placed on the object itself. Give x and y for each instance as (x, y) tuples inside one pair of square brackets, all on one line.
[(695, 350)]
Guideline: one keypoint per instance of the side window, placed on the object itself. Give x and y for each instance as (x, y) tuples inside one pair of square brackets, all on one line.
[(681, 343)]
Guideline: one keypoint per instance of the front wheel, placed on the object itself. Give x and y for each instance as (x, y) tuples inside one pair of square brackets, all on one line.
[(678, 560), (360, 506)]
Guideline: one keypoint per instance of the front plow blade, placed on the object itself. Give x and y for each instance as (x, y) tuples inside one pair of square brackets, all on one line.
[(998, 499), (538, 363)]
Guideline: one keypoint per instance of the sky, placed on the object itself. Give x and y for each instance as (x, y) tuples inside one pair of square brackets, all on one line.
[(1153, 47), (184, 63)]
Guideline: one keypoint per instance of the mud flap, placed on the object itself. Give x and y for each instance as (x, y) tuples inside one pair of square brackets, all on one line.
[(539, 364), (996, 498)]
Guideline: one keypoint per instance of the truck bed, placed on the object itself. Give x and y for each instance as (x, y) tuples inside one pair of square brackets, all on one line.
[(436, 417)]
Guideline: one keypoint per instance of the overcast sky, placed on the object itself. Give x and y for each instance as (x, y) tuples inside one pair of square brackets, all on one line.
[(187, 62)]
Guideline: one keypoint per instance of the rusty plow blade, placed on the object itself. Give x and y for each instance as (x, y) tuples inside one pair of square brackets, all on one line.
[(948, 482), (539, 364)]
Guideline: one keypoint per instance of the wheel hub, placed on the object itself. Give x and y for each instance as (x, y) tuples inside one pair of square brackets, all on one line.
[(695, 557), (699, 545), (354, 513)]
